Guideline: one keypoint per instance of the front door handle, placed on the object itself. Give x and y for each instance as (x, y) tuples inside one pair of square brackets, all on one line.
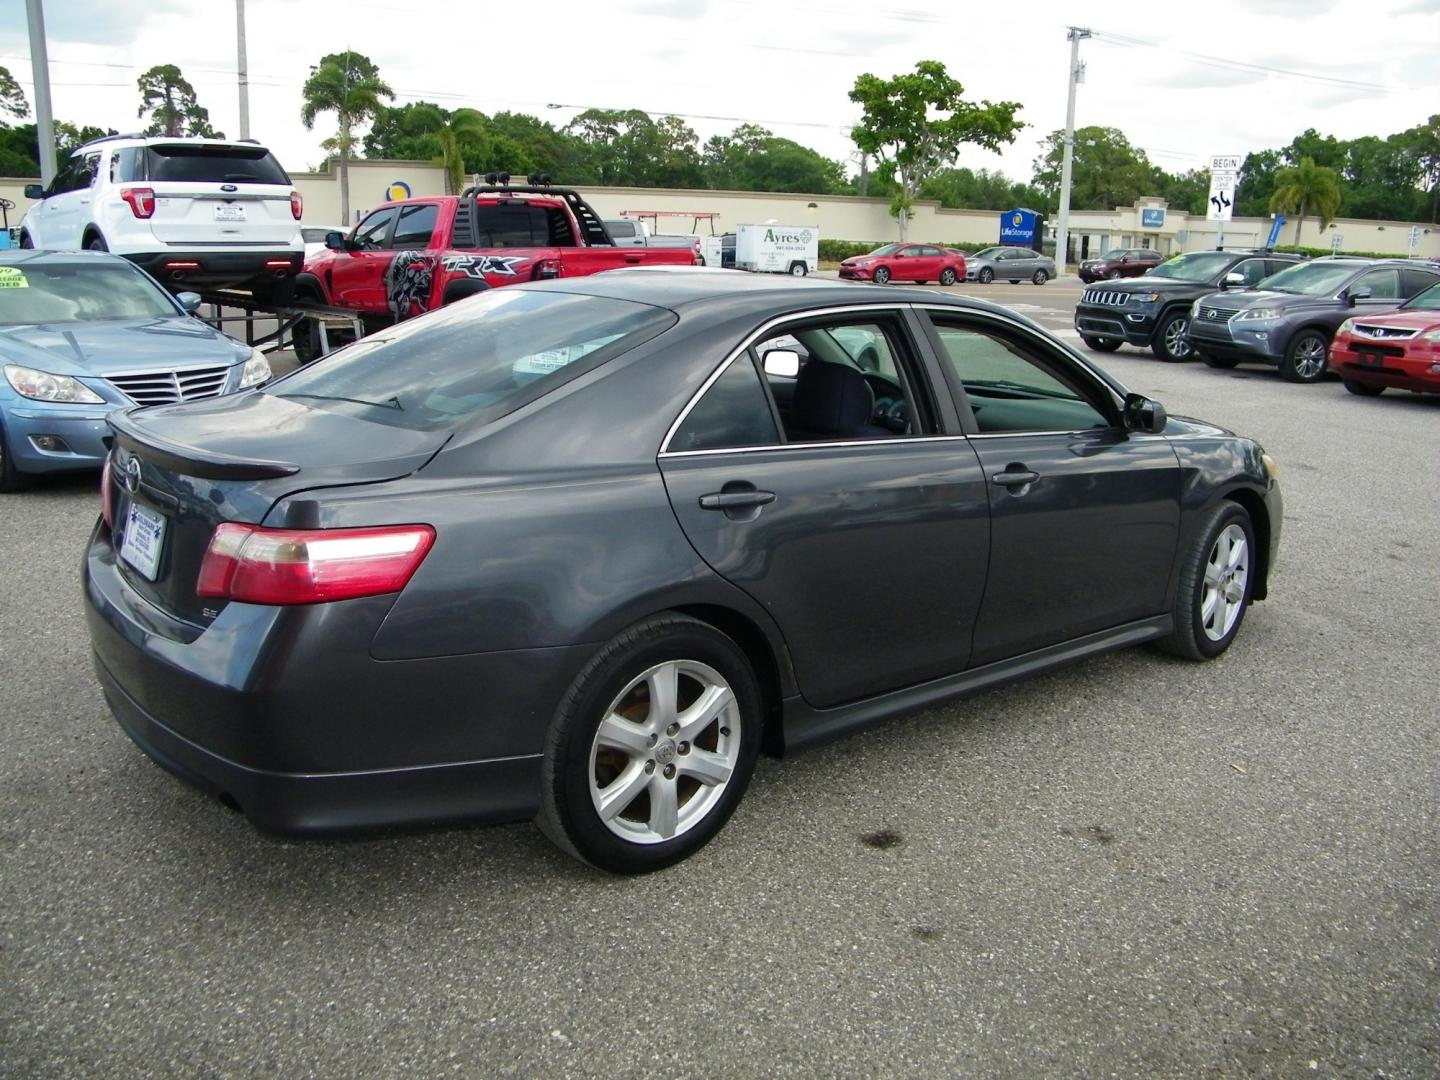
[(736, 500), (632, 258), (1015, 478)]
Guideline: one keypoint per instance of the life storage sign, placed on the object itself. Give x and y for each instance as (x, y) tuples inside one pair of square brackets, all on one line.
[(12, 278)]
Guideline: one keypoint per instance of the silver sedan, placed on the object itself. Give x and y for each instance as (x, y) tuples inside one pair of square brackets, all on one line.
[(1011, 264)]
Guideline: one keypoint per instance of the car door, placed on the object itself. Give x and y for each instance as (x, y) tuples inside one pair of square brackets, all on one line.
[(1024, 263), (357, 278), (67, 206), (409, 278), (1085, 516), (868, 549)]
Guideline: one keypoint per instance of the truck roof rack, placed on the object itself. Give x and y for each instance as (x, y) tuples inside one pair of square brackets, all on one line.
[(590, 223), (112, 138)]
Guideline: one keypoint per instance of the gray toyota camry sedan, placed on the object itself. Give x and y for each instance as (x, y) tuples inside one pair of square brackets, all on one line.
[(578, 551)]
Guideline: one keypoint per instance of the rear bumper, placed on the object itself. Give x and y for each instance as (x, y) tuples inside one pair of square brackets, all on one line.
[(219, 267)]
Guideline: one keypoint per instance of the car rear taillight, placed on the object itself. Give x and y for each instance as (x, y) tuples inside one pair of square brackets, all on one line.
[(256, 565), (140, 199), (297, 205), (107, 494), (545, 269)]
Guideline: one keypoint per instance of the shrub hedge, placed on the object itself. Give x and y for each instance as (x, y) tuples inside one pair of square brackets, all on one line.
[(839, 250)]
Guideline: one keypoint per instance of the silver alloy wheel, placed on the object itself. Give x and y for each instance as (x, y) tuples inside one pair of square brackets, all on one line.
[(1310, 358), (1175, 343), (1227, 574), (1040, 277), (665, 751), (798, 270)]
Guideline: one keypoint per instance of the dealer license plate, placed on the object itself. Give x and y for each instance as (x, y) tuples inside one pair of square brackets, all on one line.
[(229, 213), (144, 540)]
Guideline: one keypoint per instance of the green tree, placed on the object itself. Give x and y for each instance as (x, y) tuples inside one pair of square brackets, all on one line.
[(1186, 192), (1382, 179), (170, 100), (1257, 183), (626, 147), (349, 85), (12, 98), (1326, 151), (1306, 188), (752, 158), (1423, 142), (1105, 171), (407, 132), (917, 123), (979, 189)]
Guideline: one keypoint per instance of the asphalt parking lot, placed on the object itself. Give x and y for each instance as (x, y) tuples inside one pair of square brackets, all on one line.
[(1134, 866)]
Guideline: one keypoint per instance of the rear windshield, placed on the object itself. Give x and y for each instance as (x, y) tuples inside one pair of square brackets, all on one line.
[(32, 293), (475, 360), (215, 164)]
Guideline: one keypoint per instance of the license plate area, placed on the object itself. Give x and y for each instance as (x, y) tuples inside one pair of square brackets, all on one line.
[(144, 540), (227, 212), (1370, 358)]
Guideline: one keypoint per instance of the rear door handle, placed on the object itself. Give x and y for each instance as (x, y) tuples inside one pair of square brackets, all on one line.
[(1015, 478), (632, 258), (736, 500)]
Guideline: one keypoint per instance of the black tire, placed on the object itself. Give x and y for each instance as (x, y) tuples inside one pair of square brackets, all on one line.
[(1040, 277), (1189, 638), (460, 288), (567, 810), (798, 269), (947, 276), (1102, 344), (1223, 363), (1299, 363), (96, 243), (1114, 275), (985, 276), (1169, 342), (882, 276), (1363, 389), (11, 478), (25, 241)]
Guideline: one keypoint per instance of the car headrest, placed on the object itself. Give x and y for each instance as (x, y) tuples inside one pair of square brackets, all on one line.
[(831, 399)]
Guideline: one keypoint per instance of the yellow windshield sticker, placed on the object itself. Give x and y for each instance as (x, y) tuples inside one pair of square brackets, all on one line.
[(12, 278)]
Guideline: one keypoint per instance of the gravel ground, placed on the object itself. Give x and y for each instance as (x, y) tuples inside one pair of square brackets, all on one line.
[(1135, 866)]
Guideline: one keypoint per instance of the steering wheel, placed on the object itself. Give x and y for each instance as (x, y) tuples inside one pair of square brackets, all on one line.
[(891, 409)]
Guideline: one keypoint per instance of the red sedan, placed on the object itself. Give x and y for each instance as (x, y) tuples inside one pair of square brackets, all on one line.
[(906, 262), (1399, 349)]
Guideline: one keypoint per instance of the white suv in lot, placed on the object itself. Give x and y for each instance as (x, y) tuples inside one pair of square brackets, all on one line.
[(195, 213)]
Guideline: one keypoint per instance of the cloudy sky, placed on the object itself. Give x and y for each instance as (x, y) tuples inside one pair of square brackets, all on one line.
[(1183, 81)]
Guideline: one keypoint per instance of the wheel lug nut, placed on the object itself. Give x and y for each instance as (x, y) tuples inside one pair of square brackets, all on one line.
[(651, 741), (672, 729), (669, 772), (724, 731), (683, 748), (649, 766)]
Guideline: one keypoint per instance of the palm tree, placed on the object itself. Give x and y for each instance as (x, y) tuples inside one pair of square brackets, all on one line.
[(465, 126), (1306, 188), (349, 85)]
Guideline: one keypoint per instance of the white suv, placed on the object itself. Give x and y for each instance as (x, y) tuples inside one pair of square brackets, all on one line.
[(195, 213)]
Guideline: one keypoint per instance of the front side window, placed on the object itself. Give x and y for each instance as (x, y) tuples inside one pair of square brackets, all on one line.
[(415, 226), (1009, 389), (734, 412), (1251, 270), (370, 233)]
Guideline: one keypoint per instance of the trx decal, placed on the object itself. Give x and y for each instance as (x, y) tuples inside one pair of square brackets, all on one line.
[(477, 266)]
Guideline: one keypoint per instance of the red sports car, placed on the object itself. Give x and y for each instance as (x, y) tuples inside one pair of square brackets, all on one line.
[(1399, 348), (906, 262)]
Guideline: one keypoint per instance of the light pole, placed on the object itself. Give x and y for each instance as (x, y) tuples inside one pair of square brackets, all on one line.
[(242, 69), (1075, 34), (40, 64)]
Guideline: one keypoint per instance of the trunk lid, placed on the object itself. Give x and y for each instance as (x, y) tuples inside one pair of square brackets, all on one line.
[(179, 471)]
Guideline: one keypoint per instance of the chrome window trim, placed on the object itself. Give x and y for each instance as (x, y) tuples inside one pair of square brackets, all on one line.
[(890, 308), (899, 440)]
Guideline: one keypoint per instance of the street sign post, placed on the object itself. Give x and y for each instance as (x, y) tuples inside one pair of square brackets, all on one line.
[(1414, 238), (1224, 177), (1335, 241)]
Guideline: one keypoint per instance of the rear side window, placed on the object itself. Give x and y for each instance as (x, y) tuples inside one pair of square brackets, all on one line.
[(622, 230), (506, 225), (215, 164), (476, 360), (1413, 282), (735, 411), (128, 164)]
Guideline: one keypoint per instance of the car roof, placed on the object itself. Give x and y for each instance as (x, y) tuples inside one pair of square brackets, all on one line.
[(681, 287), (24, 256), (170, 140)]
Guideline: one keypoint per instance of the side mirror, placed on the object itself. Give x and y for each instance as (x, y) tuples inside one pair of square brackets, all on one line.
[(1144, 414), (1360, 292), (1124, 258), (782, 363), (1232, 279), (335, 240), (34, 191), (190, 301)]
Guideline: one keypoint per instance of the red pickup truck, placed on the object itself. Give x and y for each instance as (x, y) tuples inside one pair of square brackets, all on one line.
[(408, 257)]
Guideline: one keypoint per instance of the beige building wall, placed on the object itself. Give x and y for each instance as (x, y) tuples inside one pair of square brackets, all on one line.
[(847, 217)]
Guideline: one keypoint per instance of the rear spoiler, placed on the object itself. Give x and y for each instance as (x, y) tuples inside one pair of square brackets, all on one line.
[(191, 460)]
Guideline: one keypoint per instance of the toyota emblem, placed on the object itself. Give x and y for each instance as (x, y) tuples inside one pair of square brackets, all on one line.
[(132, 475)]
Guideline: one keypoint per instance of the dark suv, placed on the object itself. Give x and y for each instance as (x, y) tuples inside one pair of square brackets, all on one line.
[(1154, 310), (1119, 263), (1289, 323)]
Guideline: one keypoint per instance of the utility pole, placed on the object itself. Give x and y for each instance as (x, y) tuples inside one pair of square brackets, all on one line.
[(40, 64), (1075, 34), (243, 68)]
